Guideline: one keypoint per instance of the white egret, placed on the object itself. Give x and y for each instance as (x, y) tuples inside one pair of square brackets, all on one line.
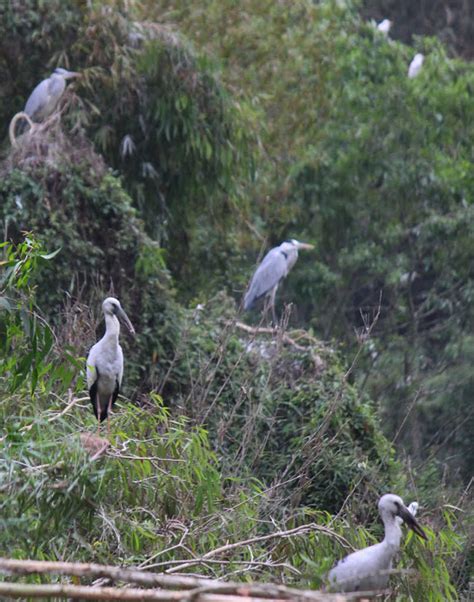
[(105, 362), (368, 569), (385, 26), (415, 65)]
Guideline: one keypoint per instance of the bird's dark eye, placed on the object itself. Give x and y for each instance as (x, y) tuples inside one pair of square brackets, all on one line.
[(114, 308)]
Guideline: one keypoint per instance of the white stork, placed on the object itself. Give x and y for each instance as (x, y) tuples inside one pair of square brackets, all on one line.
[(368, 569), (105, 362)]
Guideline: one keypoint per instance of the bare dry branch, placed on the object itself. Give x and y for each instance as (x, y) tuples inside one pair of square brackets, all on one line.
[(192, 589), (224, 593), (302, 529), (80, 569), (286, 338)]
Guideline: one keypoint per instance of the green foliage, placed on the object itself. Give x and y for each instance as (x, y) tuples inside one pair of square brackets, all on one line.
[(151, 104), (283, 414), (230, 434), (58, 501), (405, 175), (27, 356), (375, 168), (185, 146), (83, 208)]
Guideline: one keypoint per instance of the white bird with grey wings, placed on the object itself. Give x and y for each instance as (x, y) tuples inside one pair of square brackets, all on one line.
[(105, 362), (368, 569)]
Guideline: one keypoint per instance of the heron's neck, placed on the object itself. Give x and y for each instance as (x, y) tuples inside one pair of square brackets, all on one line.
[(393, 532), (112, 327)]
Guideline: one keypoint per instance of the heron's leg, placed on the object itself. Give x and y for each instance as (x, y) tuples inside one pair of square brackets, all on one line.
[(265, 309), (272, 302), (97, 405), (108, 416)]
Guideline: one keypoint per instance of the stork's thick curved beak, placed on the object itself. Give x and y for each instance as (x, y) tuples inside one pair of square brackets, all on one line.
[(411, 521), (305, 245), (125, 319), (71, 74)]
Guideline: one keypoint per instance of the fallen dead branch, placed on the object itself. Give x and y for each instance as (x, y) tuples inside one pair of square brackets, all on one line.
[(184, 588), (92, 570), (20, 590)]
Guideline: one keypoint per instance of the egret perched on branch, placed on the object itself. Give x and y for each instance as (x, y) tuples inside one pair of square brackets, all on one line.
[(275, 266), (368, 569), (415, 65), (105, 362), (45, 97), (385, 26)]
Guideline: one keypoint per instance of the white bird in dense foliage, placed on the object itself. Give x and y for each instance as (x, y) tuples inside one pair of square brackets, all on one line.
[(368, 569), (415, 65), (45, 97), (105, 362), (275, 266), (385, 26)]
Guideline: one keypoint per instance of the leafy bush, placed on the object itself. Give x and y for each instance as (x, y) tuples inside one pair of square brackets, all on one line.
[(228, 434)]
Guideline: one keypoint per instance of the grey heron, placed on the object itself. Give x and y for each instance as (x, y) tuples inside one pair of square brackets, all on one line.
[(415, 65), (274, 267), (46, 95), (368, 569), (105, 362), (384, 26)]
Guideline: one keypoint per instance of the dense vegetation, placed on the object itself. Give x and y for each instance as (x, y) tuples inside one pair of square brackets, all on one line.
[(199, 134)]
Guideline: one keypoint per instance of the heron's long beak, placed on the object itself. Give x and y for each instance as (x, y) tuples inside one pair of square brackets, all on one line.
[(305, 245), (123, 316), (71, 74), (411, 521)]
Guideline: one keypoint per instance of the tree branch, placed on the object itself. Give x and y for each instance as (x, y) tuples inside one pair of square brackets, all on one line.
[(80, 569), (185, 588), (278, 534)]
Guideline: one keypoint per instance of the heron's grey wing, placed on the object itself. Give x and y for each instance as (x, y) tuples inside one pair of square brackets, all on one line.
[(44, 98), (38, 99), (268, 274)]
